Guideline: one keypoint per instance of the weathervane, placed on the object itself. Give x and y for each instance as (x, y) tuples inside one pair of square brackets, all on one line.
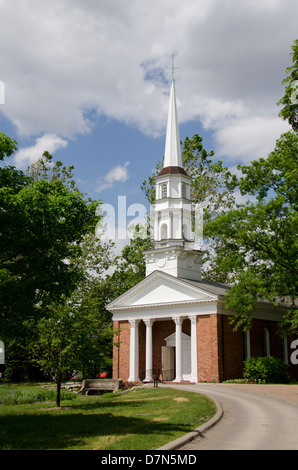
[(173, 68)]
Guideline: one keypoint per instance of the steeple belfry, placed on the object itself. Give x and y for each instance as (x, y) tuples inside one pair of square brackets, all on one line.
[(172, 155)]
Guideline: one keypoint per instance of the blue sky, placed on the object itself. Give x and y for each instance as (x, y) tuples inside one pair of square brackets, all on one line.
[(89, 81)]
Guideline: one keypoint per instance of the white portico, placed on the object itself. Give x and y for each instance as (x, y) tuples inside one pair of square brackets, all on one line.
[(158, 300)]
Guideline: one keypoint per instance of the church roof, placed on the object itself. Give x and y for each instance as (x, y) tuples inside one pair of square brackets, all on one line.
[(173, 170), (210, 286)]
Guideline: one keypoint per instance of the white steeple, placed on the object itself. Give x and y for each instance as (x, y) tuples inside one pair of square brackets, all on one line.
[(172, 155), (174, 251)]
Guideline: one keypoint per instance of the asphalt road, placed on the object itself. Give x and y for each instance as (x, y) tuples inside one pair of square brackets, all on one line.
[(252, 418)]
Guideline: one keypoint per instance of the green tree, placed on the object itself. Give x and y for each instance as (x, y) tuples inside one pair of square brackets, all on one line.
[(255, 243), (289, 101), (91, 325), (57, 349), (77, 333), (7, 146), (130, 268), (43, 221)]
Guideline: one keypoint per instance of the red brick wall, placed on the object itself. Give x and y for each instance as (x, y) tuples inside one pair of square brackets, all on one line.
[(232, 350), (208, 348), (121, 353), (233, 360)]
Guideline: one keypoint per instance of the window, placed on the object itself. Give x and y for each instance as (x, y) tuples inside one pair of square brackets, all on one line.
[(246, 344), (184, 190), (164, 190), (266, 343)]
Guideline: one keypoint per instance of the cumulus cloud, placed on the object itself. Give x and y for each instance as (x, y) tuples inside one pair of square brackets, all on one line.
[(118, 174), (62, 60), (249, 138), (28, 155)]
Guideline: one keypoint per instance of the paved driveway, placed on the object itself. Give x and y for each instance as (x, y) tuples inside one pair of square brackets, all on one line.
[(254, 417)]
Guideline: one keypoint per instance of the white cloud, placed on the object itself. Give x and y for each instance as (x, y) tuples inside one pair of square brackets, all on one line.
[(27, 156), (118, 174), (249, 138), (61, 59)]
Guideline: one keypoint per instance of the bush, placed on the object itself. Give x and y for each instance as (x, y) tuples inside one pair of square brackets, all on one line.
[(23, 396), (268, 369)]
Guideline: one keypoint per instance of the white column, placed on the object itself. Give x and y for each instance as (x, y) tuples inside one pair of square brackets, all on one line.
[(134, 351), (178, 322), (193, 352), (148, 322), (171, 225)]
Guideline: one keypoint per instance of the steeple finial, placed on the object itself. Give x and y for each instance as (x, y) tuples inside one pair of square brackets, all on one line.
[(173, 68)]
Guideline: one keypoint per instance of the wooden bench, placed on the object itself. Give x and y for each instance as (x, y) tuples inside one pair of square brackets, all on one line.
[(99, 386)]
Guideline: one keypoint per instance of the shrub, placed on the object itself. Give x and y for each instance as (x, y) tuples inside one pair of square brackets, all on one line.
[(268, 369), (23, 396)]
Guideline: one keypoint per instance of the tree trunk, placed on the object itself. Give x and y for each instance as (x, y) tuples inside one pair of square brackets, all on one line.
[(58, 394)]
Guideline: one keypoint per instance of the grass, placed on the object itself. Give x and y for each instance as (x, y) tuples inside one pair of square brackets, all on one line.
[(142, 419)]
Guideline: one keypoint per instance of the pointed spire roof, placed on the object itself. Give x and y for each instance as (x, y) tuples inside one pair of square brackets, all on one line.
[(172, 149)]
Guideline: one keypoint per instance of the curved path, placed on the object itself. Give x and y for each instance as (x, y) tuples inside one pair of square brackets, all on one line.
[(251, 417)]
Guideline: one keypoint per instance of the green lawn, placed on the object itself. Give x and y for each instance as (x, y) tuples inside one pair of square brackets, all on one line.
[(143, 419)]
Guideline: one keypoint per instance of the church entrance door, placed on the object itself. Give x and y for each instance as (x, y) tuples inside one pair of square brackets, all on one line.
[(168, 363), (168, 357)]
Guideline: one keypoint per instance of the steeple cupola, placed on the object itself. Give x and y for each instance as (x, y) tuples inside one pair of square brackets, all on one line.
[(172, 212)]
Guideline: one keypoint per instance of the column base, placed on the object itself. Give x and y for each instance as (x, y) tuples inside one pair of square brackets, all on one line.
[(149, 378)]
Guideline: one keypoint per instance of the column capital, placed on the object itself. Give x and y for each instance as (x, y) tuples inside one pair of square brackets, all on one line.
[(193, 319), (148, 321), (178, 320), (134, 322)]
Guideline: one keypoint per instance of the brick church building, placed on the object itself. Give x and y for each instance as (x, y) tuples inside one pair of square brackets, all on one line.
[(174, 324)]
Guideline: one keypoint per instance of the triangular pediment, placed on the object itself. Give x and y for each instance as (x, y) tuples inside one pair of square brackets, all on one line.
[(171, 340), (160, 288)]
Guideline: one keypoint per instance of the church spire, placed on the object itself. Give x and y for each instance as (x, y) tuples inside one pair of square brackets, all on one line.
[(172, 150), (172, 216)]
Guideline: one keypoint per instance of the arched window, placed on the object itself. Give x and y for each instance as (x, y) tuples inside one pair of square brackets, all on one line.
[(184, 190), (164, 190), (164, 231)]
